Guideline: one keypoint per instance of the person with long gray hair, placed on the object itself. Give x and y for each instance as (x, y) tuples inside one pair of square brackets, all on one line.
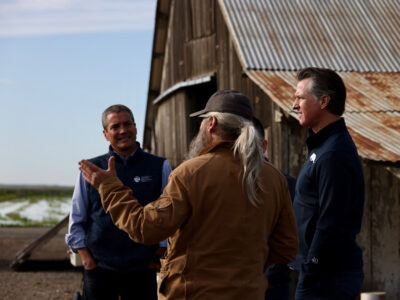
[(246, 148), (227, 214)]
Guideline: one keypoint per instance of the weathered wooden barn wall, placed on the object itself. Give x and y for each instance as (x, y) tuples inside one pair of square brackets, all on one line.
[(380, 233), (199, 44), (190, 54), (170, 130), (191, 42)]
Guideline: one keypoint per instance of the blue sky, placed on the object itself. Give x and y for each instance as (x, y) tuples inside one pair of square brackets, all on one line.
[(62, 62)]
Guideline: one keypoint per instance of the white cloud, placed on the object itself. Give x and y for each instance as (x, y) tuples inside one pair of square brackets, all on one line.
[(44, 17)]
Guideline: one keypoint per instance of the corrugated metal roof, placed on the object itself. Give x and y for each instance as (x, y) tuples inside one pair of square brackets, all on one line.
[(343, 35), (372, 108), (275, 38)]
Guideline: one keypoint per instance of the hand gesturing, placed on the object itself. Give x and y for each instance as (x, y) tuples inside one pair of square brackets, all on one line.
[(95, 175)]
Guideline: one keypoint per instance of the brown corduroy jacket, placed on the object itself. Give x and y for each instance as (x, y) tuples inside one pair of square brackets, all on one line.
[(219, 243)]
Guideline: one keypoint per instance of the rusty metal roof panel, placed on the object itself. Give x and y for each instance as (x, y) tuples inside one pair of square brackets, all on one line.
[(372, 92), (372, 108), (357, 35), (376, 135)]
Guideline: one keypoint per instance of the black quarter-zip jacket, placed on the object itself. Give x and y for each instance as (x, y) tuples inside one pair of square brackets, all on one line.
[(329, 202)]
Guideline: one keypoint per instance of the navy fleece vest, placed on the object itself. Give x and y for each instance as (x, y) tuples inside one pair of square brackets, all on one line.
[(112, 248)]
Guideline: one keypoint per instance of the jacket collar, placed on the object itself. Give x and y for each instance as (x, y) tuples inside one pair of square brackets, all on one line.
[(124, 160), (217, 145), (315, 139)]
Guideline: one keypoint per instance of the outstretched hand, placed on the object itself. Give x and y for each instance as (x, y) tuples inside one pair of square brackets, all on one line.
[(95, 175)]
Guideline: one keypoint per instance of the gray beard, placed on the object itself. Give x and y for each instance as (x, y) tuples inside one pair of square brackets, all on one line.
[(196, 145)]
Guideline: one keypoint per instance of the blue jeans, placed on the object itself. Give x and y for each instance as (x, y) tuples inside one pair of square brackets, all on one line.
[(329, 286), (102, 284)]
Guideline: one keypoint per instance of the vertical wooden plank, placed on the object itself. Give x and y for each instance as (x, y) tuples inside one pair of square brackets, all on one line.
[(222, 50), (188, 13), (297, 147), (202, 17), (276, 131), (364, 238), (167, 63), (236, 69), (157, 146), (174, 70), (171, 128), (200, 57), (385, 235), (181, 127)]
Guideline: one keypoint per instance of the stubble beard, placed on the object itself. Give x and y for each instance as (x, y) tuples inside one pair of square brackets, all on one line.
[(197, 144)]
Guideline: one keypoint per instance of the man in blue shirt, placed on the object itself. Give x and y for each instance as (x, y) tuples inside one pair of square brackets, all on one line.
[(108, 254), (329, 196)]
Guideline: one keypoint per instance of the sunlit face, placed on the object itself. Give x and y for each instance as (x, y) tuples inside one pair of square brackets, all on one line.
[(121, 132), (307, 105)]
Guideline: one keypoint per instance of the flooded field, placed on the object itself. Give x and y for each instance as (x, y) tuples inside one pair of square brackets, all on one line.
[(33, 206)]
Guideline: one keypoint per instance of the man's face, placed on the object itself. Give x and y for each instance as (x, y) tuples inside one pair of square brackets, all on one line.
[(307, 105), (121, 132)]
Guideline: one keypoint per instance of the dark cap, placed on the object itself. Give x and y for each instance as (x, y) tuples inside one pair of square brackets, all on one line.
[(227, 101)]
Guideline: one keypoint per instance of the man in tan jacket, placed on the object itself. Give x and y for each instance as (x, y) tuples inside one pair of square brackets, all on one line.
[(227, 213)]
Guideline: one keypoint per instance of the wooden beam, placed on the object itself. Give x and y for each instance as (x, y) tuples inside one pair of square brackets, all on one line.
[(24, 254)]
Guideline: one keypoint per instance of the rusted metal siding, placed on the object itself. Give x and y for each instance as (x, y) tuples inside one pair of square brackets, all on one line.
[(357, 35), (372, 108)]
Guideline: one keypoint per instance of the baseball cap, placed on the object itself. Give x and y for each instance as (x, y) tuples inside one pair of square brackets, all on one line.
[(228, 101)]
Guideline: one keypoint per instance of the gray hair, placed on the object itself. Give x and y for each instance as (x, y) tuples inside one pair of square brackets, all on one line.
[(247, 149), (116, 108)]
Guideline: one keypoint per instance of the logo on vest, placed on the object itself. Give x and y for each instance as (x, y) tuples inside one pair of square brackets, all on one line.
[(138, 179), (313, 157)]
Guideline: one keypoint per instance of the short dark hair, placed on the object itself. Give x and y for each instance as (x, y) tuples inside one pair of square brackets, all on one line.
[(112, 109), (326, 82)]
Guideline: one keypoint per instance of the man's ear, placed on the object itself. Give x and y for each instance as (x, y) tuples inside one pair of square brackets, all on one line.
[(264, 145), (105, 134), (324, 100), (212, 124)]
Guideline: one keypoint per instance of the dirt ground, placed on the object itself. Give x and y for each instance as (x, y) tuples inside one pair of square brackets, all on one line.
[(47, 274)]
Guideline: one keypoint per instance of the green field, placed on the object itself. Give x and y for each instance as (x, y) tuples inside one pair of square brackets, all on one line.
[(33, 205)]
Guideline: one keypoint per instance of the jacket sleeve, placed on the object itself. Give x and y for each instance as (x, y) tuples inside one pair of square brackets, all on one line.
[(149, 224), (75, 238), (283, 241)]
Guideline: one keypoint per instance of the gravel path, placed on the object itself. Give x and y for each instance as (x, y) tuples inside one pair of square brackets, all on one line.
[(46, 275)]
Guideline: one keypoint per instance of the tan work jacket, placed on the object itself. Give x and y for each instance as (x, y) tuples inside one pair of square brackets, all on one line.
[(219, 243)]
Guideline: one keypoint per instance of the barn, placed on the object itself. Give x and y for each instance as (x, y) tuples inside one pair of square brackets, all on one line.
[(256, 47)]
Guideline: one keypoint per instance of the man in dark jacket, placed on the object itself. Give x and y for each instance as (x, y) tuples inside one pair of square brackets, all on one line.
[(329, 196)]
